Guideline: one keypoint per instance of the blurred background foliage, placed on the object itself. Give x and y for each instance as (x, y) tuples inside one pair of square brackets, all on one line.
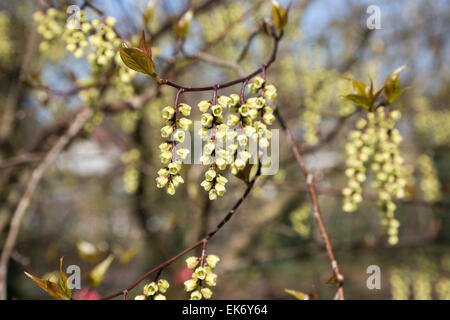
[(100, 196)]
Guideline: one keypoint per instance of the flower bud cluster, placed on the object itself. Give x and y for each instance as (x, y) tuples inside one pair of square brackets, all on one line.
[(224, 146), (131, 174), (175, 131), (359, 149), (103, 40), (77, 40), (214, 155), (254, 116), (319, 88), (94, 39), (6, 44), (122, 80), (430, 185), (50, 26), (154, 291), (300, 220), (389, 170), (203, 275), (378, 141)]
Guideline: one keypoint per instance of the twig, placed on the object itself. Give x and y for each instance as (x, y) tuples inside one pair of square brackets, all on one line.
[(20, 159), (201, 242), (233, 82), (247, 46), (24, 202), (312, 191), (200, 55)]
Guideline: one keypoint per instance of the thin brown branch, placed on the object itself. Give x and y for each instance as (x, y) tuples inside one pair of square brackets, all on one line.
[(317, 215), (19, 160), (246, 48), (201, 242), (25, 200), (206, 57), (233, 82)]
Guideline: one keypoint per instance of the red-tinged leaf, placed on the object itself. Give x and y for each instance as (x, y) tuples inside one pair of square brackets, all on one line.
[(144, 46), (136, 59), (63, 279), (96, 275), (359, 100), (50, 287)]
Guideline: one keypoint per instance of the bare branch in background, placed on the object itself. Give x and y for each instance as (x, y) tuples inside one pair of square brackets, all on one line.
[(24, 202)]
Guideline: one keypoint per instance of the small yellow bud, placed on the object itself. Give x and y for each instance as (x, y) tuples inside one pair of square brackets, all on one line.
[(206, 292), (190, 285), (163, 285), (196, 295), (212, 260), (192, 262), (211, 279)]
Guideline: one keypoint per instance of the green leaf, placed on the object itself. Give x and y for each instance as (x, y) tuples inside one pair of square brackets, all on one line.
[(63, 279), (50, 287), (135, 59), (361, 101), (359, 87), (96, 275), (297, 294), (363, 95), (138, 59), (182, 26), (397, 94), (279, 15), (392, 85), (145, 48)]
